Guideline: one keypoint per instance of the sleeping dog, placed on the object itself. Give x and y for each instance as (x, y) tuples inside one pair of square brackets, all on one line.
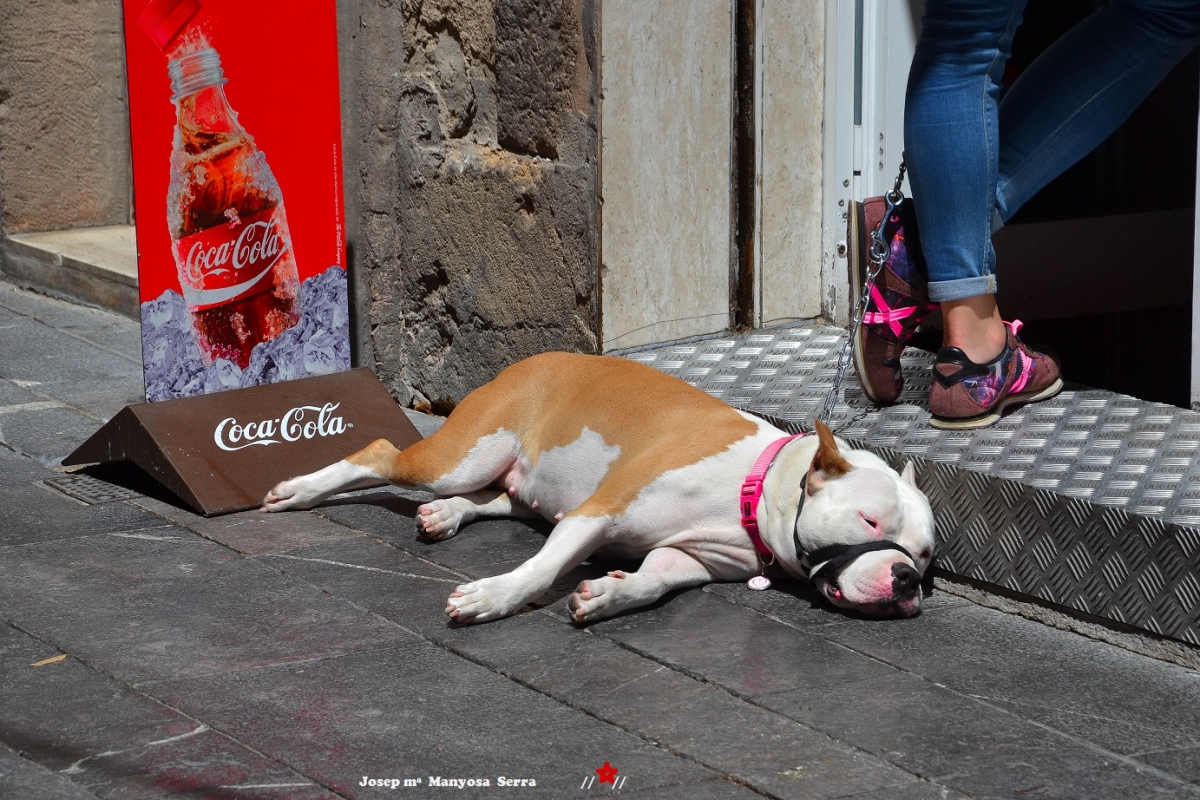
[(628, 461)]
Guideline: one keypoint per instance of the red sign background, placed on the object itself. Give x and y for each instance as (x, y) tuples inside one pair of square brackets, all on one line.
[(281, 63)]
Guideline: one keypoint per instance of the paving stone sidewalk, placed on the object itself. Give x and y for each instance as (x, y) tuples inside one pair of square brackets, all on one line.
[(149, 652)]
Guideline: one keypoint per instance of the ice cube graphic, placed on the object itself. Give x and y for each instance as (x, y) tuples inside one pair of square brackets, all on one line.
[(317, 345)]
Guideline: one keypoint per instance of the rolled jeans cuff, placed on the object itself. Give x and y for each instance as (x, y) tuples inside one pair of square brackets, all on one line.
[(961, 288)]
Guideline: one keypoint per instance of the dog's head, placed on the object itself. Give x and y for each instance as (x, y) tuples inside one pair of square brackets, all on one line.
[(864, 531)]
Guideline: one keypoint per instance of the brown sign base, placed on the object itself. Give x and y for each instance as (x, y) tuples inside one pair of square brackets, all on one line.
[(222, 452)]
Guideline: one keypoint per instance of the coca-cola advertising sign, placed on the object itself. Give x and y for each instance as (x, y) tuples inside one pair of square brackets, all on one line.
[(236, 133), (221, 452)]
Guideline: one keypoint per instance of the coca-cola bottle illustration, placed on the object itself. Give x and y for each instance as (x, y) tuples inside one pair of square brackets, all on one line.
[(225, 211)]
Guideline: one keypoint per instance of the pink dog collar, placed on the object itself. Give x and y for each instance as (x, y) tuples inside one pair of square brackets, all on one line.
[(752, 490)]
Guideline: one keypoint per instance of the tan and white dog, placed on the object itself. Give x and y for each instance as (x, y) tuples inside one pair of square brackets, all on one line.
[(631, 462)]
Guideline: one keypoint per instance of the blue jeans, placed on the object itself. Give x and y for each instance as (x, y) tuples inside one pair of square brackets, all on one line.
[(974, 159)]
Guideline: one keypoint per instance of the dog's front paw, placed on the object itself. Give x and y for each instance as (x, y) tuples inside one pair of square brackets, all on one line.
[(441, 518), (291, 494), (598, 599), (485, 600)]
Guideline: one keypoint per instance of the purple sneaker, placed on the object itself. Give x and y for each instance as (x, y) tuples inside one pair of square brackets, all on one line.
[(969, 395), (899, 300)]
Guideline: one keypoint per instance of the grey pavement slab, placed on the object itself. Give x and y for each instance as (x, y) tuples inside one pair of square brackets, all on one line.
[(20, 777), (712, 789), (35, 424), (794, 603), (378, 577), (744, 651), (103, 329), (371, 571), (87, 730), (543, 651), (388, 513), (918, 790), (31, 512), (170, 604), (969, 745), (426, 424), (45, 431), (391, 516), (98, 380), (1117, 700), (745, 741), (482, 548), (1183, 762), (253, 532), (419, 711), (899, 709), (12, 394)]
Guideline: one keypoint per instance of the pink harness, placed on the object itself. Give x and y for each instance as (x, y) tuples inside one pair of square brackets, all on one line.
[(752, 490), (892, 317)]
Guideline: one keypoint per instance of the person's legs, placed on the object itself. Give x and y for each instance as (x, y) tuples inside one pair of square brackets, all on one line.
[(1069, 100), (952, 146), (1080, 90), (1061, 108)]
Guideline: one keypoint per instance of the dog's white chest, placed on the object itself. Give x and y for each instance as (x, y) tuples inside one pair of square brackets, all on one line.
[(693, 509)]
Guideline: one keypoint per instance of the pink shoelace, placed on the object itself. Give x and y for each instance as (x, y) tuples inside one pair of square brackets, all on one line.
[(1025, 362)]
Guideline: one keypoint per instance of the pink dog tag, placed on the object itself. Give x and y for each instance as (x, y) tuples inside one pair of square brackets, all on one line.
[(759, 582)]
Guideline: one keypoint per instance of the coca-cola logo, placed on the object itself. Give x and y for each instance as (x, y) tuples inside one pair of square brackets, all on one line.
[(301, 422), (258, 245)]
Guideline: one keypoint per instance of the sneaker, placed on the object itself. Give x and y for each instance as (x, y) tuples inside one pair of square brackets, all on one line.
[(899, 300), (969, 395)]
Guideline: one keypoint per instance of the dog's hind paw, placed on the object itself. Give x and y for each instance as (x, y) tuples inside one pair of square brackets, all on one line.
[(441, 518), (597, 599)]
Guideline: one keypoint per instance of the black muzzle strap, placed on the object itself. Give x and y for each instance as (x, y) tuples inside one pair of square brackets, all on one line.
[(837, 556)]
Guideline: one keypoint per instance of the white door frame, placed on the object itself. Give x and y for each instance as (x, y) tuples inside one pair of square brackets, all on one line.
[(1195, 378), (869, 46)]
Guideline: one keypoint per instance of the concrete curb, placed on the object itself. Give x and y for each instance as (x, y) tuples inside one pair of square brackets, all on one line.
[(92, 266)]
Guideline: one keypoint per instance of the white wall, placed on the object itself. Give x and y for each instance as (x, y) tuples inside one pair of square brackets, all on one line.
[(666, 116), (791, 116)]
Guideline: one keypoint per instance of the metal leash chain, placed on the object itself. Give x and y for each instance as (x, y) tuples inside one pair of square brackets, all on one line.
[(879, 255)]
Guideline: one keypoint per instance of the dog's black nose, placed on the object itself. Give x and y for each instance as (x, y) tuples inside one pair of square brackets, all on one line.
[(905, 580)]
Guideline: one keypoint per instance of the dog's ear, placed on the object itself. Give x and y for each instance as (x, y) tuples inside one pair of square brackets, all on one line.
[(909, 475), (828, 464)]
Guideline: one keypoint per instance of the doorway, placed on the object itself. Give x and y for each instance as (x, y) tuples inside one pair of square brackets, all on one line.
[(1099, 263)]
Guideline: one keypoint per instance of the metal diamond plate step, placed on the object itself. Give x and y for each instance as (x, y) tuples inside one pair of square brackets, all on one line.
[(1090, 500)]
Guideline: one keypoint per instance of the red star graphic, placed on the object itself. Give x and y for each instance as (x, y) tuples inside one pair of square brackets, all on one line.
[(607, 773)]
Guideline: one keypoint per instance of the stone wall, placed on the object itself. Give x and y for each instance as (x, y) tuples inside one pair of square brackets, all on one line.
[(475, 135), (64, 129)]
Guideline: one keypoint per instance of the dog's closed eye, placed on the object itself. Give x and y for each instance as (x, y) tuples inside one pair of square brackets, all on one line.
[(870, 522)]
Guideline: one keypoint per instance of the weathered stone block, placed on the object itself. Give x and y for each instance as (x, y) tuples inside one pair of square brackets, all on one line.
[(477, 173), (64, 120), (542, 75)]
